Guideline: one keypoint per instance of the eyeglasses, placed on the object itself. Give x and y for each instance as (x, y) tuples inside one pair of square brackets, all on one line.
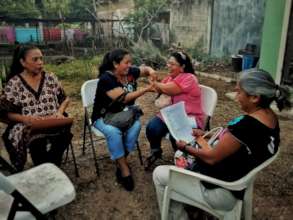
[(171, 63)]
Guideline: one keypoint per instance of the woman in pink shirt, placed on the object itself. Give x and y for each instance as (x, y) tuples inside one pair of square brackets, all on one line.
[(182, 85)]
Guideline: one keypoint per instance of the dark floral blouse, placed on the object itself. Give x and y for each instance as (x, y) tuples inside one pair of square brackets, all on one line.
[(26, 101)]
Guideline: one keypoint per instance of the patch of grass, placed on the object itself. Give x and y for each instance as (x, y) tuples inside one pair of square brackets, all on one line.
[(74, 73), (79, 69)]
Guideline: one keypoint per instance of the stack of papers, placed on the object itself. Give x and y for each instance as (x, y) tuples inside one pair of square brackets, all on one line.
[(178, 122)]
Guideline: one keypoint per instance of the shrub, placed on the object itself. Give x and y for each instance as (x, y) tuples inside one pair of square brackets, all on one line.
[(145, 52), (80, 69)]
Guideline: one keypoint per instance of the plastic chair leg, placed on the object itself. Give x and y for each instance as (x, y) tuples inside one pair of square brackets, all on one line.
[(139, 153), (84, 134), (74, 160), (94, 153)]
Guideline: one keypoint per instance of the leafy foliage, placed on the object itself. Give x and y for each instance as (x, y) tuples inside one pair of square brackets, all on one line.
[(82, 69), (81, 9), (53, 8), (19, 8), (145, 12), (46, 8), (145, 52)]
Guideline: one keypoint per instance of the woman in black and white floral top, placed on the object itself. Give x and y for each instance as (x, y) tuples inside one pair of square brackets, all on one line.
[(33, 95)]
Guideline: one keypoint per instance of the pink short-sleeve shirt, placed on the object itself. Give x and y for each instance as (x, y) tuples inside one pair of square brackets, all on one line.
[(191, 95)]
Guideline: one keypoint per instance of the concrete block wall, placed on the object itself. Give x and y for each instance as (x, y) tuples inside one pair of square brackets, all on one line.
[(236, 23), (189, 22)]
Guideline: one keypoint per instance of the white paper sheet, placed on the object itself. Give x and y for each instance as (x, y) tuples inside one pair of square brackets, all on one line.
[(178, 123)]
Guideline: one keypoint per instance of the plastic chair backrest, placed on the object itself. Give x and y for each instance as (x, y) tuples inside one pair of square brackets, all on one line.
[(209, 99), (88, 92), (244, 181), (5, 184)]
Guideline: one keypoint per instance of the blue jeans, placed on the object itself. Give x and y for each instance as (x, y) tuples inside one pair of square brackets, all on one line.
[(118, 141), (156, 130)]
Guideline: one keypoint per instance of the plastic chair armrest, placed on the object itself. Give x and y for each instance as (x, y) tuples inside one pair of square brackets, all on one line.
[(235, 185)]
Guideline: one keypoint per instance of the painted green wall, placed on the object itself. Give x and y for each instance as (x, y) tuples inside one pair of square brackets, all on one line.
[(271, 35)]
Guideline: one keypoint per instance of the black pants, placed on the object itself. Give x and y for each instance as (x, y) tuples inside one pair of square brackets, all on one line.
[(156, 130), (50, 149)]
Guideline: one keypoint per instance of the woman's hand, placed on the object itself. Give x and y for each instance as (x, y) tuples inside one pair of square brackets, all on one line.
[(63, 106), (203, 143), (197, 132), (148, 71), (150, 87), (181, 144)]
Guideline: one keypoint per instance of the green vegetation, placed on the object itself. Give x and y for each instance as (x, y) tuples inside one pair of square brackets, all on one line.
[(47, 8), (145, 13), (145, 52), (79, 69)]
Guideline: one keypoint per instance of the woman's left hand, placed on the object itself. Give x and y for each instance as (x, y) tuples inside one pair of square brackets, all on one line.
[(203, 143), (150, 72), (181, 144)]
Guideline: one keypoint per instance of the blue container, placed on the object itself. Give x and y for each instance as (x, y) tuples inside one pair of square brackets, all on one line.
[(247, 62), (25, 35)]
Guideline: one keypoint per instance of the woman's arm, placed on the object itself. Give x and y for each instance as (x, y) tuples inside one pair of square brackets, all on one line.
[(211, 155), (63, 107), (169, 88), (19, 118), (115, 93), (148, 71)]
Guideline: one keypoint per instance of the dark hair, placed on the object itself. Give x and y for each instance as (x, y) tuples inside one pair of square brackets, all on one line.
[(116, 56), (259, 82), (184, 60), (20, 52)]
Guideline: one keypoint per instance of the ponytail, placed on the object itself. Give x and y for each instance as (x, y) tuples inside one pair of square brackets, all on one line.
[(282, 97)]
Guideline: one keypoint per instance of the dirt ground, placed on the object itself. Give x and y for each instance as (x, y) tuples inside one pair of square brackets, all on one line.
[(102, 198)]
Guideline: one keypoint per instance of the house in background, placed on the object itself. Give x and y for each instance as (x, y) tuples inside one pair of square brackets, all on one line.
[(220, 27), (276, 54)]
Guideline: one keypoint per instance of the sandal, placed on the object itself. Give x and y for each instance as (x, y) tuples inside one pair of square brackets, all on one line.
[(152, 159)]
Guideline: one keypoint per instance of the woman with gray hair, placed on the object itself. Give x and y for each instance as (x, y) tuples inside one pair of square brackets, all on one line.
[(248, 141)]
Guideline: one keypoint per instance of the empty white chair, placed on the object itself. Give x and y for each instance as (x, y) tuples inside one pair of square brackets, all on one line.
[(209, 100), (181, 184), (33, 193), (88, 92)]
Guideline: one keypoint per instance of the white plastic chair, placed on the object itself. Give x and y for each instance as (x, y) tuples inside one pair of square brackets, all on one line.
[(33, 193), (181, 184), (209, 100), (88, 92)]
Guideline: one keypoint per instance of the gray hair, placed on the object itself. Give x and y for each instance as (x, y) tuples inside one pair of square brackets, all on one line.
[(260, 83)]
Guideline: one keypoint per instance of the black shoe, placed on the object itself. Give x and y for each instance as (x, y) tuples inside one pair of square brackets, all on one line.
[(127, 182), (118, 175), (151, 159)]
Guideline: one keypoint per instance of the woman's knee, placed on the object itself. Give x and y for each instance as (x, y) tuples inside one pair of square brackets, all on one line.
[(219, 198), (161, 175), (135, 128), (132, 136), (154, 127)]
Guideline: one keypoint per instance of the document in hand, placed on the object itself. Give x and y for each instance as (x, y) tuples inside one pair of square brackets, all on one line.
[(178, 122)]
